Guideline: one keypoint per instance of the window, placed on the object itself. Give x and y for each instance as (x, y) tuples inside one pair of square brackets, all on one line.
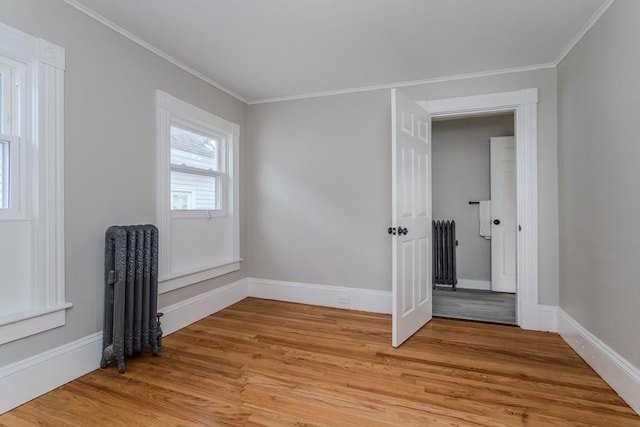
[(11, 95), (32, 294), (197, 170), (197, 196)]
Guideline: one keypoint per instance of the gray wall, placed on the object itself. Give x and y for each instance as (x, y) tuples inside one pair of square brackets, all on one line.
[(109, 152), (462, 172), (599, 106), (319, 174)]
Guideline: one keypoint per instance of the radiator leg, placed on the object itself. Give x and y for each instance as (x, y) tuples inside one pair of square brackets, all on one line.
[(121, 366), (107, 356), (156, 343)]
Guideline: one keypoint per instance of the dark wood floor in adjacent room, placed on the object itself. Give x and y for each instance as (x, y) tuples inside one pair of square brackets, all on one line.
[(269, 363), (475, 304)]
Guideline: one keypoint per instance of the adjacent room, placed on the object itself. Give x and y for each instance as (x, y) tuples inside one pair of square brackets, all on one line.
[(266, 212), (473, 190)]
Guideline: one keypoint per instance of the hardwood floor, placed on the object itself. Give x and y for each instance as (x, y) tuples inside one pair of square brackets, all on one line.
[(271, 363), (473, 304)]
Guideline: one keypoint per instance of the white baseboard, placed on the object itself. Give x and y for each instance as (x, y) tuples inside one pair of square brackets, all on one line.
[(548, 318), (484, 285), (183, 313), (29, 378), (32, 377), (538, 317), (619, 373), (323, 295)]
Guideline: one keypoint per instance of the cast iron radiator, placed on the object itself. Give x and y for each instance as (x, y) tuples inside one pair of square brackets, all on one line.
[(444, 254), (131, 318)]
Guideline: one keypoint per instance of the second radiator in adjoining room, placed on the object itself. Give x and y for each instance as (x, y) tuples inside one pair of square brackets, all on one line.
[(444, 254)]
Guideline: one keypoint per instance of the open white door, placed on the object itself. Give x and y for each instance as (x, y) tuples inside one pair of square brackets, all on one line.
[(411, 216), (503, 214)]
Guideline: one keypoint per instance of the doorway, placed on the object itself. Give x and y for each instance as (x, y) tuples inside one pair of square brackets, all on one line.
[(416, 122), (473, 184)]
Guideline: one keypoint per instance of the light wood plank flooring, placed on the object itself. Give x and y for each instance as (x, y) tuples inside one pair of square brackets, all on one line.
[(474, 304), (270, 363)]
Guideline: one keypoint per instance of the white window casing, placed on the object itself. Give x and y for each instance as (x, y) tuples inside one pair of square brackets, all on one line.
[(32, 291), (195, 243)]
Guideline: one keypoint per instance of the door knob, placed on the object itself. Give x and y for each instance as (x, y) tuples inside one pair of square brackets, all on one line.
[(496, 221), (402, 231)]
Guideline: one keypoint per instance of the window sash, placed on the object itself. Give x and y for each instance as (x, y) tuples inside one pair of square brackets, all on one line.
[(221, 175), (195, 171), (200, 190), (11, 92), (216, 135)]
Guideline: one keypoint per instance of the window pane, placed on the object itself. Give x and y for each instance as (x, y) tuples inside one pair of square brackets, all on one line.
[(194, 150), (182, 199), (194, 191)]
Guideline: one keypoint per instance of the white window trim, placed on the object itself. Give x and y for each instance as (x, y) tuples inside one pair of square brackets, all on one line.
[(173, 111), (44, 137)]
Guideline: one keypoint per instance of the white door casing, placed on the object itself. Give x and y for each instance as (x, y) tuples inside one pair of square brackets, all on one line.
[(411, 217), (524, 103), (503, 214)]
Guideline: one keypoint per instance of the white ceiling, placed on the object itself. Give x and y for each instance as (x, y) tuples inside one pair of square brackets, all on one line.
[(271, 49)]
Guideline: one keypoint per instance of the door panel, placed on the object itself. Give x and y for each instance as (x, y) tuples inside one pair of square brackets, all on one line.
[(411, 210), (503, 211), (407, 182), (424, 278), (407, 276)]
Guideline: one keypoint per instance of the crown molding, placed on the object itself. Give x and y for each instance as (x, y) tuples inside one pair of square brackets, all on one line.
[(118, 29), (596, 16), (89, 12), (405, 84)]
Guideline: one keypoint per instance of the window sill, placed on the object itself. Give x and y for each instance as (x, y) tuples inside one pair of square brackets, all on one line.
[(198, 214), (180, 280), (32, 322)]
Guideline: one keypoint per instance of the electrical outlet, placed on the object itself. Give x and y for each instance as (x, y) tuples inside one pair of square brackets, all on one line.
[(343, 299)]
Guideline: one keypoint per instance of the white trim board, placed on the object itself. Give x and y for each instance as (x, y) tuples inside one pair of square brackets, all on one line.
[(548, 318), (587, 26), (322, 295), (183, 313), (484, 285), (434, 80), (619, 373), (27, 379), (524, 104), (118, 29), (39, 192)]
